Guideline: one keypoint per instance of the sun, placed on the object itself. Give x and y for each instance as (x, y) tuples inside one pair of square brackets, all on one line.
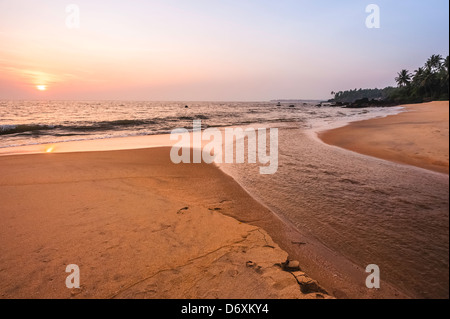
[(41, 87)]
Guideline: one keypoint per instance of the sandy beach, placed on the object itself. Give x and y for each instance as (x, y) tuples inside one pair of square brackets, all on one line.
[(419, 136), (137, 226)]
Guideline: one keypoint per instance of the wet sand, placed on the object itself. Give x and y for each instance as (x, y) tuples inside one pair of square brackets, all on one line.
[(362, 208), (419, 136)]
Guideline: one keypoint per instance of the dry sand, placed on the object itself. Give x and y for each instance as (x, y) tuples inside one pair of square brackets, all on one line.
[(419, 136), (137, 226)]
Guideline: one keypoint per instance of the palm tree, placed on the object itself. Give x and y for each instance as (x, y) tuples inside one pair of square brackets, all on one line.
[(418, 75), (428, 81), (403, 78), (434, 63), (417, 81), (433, 75)]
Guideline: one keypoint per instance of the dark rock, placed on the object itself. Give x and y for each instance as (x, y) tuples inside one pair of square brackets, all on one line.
[(291, 265)]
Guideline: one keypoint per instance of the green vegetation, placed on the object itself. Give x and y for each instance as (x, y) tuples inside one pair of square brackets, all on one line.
[(427, 83), (351, 96)]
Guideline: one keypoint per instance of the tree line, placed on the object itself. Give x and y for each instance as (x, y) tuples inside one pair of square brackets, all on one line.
[(427, 83)]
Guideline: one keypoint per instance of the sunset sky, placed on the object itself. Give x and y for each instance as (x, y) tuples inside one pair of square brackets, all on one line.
[(212, 50)]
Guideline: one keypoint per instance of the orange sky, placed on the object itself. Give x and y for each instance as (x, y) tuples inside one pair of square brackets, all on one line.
[(204, 50)]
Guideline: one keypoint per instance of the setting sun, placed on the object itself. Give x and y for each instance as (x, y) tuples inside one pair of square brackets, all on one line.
[(41, 87)]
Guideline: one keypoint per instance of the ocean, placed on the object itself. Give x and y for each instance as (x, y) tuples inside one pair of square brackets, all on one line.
[(41, 122)]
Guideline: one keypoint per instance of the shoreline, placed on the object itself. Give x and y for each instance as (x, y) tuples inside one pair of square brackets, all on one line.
[(421, 136), (50, 171), (149, 141), (339, 276)]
